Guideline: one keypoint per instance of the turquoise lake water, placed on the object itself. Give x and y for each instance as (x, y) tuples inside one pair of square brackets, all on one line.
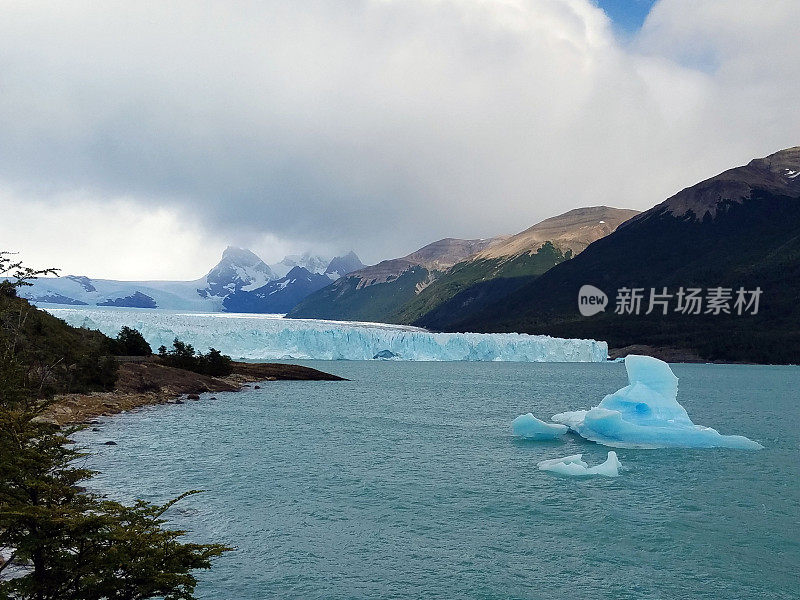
[(405, 482)]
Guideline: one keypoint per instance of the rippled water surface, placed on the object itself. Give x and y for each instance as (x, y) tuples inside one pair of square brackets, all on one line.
[(406, 483)]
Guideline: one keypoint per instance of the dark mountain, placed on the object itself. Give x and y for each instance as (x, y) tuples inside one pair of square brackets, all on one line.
[(135, 300), (740, 229), (277, 296), (342, 265), (473, 299)]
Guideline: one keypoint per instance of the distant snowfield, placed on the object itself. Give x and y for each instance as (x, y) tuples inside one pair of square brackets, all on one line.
[(272, 337)]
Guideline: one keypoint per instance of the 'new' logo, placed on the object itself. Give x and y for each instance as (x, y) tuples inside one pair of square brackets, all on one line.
[(591, 300)]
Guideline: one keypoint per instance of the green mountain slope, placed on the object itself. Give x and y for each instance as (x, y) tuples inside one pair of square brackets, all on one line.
[(466, 274), (474, 299), (403, 290), (374, 293), (347, 299)]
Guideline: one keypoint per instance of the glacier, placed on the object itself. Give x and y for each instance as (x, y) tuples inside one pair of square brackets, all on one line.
[(271, 337), (646, 414), (76, 290), (574, 466), (531, 428)]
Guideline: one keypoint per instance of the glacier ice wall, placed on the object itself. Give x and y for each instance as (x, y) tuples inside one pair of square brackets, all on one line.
[(270, 337)]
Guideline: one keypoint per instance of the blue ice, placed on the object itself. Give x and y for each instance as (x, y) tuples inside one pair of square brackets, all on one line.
[(529, 427), (270, 337), (646, 414), (574, 466)]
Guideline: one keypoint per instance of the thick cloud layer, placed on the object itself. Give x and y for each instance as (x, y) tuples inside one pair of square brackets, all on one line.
[(378, 124)]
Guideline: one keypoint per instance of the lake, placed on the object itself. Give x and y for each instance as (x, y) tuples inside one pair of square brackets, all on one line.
[(405, 482)]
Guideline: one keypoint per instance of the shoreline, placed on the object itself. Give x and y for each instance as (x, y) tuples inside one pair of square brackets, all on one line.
[(671, 354), (143, 381)]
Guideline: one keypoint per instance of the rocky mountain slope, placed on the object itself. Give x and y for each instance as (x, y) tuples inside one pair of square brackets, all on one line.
[(374, 292), (404, 290), (574, 231), (527, 254), (342, 265), (278, 296), (739, 230)]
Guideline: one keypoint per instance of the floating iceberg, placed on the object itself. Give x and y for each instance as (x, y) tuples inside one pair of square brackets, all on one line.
[(271, 337), (646, 414), (573, 466), (530, 427)]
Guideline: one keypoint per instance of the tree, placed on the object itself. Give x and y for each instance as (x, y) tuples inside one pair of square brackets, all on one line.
[(184, 356), (130, 342), (14, 275), (215, 363), (59, 541)]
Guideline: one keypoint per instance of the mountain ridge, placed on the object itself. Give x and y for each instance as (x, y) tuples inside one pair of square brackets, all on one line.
[(238, 272), (746, 236), (401, 290), (573, 230), (375, 292)]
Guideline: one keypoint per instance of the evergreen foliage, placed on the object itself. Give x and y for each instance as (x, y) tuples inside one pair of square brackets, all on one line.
[(58, 541), (130, 342), (184, 356)]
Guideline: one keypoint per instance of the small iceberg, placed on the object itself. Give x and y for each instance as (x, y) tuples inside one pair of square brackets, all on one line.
[(529, 427), (646, 414), (573, 466)]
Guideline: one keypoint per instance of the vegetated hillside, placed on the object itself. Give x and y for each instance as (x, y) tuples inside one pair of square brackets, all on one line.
[(56, 357), (451, 266), (440, 296), (473, 299), (376, 292), (738, 229), (344, 300), (524, 255)]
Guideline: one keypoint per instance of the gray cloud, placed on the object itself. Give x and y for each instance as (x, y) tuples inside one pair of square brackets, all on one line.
[(382, 125)]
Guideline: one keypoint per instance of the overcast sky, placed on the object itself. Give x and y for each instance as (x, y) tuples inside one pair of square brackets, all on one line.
[(138, 139)]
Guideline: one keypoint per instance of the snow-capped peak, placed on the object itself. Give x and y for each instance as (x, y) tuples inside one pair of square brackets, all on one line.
[(342, 265), (313, 262), (239, 269)]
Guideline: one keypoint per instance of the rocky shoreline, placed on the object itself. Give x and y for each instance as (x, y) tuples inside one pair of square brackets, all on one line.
[(146, 382), (668, 354)]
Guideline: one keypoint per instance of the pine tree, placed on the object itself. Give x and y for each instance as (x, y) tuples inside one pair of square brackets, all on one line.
[(59, 541)]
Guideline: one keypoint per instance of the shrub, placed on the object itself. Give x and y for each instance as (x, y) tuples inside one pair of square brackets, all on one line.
[(184, 356), (130, 342)]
